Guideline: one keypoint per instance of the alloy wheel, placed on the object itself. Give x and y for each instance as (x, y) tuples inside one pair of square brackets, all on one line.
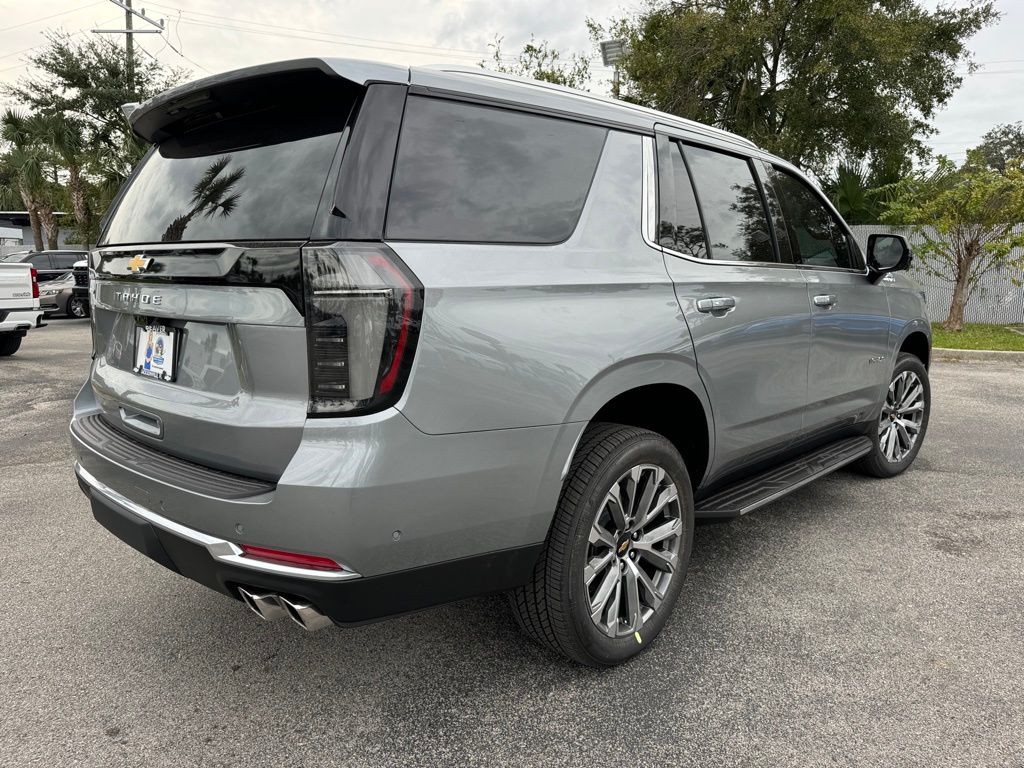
[(902, 416), (77, 308), (633, 550)]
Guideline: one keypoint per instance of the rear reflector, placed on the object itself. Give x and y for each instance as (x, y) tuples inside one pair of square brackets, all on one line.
[(293, 559), (363, 310)]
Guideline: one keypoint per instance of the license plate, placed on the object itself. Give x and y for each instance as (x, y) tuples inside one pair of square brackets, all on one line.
[(154, 351)]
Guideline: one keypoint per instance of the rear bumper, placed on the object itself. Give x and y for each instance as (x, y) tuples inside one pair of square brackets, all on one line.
[(346, 597), (422, 519), (19, 320)]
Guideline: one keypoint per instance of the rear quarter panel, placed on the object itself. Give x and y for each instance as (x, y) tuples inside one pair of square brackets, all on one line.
[(521, 336)]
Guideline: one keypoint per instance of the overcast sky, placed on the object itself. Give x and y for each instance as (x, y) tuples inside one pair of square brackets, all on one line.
[(217, 35)]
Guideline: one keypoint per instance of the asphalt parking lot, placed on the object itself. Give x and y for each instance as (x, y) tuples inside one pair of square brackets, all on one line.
[(856, 622)]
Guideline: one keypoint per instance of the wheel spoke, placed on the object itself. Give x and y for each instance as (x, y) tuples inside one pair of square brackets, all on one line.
[(601, 536), (616, 509), (663, 560), (909, 425), (647, 496), (631, 595), (912, 394), (662, 532), (652, 597), (596, 566), (665, 497), (604, 593), (632, 491), (888, 443)]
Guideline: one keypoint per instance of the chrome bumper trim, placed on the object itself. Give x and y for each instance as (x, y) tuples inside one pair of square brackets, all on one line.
[(219, 549)]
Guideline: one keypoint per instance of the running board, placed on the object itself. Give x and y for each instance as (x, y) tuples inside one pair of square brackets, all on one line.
[(753, 492)]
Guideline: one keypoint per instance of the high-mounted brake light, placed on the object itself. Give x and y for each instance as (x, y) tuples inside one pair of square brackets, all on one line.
[(363, 310), (35, 283), (293, 559)]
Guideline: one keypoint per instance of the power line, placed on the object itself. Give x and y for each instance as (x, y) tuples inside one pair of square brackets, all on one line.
[(236, 19), (51, 16), (319, 39)]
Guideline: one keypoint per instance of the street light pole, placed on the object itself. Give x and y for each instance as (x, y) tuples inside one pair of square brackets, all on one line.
[(611, 54)]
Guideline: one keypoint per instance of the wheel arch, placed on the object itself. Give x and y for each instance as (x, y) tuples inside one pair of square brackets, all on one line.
[(662, 394), (916, 342)]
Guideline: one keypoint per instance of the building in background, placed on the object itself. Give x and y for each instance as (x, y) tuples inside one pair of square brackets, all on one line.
[(16, 232)]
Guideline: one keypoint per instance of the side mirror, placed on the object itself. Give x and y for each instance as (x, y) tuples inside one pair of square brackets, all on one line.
[(887, 253)]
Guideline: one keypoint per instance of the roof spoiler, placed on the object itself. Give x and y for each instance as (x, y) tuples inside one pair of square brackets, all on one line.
[(151, 120)]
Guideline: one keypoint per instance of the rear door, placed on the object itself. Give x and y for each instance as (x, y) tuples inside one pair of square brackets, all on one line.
[(849, 362), (746, 310)]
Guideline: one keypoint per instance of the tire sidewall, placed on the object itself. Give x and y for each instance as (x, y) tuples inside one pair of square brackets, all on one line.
[(651, 449)]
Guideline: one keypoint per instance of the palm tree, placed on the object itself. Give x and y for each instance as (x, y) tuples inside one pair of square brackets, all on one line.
[(64, 137), (210, 196), (28, 162)]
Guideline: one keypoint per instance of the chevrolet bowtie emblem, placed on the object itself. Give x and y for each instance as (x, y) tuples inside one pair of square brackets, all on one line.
[(138, 264)]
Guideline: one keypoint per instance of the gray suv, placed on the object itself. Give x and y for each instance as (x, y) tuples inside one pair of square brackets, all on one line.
[(368, 339)]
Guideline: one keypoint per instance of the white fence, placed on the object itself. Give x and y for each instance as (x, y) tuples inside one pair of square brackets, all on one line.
[(995, 300)]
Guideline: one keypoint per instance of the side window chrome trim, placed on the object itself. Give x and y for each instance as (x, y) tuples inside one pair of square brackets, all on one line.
[(649, 214)]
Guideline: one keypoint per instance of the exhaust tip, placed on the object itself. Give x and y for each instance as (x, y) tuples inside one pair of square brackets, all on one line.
[(263, 604), (304, 614)]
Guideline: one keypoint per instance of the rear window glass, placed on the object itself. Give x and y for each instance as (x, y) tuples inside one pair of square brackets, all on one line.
[(231, 182), (467, 173)]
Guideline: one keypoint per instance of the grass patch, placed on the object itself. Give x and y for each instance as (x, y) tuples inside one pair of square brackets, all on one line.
[(978, 336)]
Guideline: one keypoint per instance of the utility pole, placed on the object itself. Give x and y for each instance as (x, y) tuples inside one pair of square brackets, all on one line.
[(129, 33), (129, 47)]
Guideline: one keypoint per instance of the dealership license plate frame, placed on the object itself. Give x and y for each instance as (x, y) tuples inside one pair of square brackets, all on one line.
[(162, 338)]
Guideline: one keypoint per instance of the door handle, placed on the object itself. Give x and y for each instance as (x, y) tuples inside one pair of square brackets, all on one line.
[(825, 300), (717, 304)]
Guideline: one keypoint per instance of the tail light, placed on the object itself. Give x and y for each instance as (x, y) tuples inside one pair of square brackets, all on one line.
[(35, 283), (363, 310)]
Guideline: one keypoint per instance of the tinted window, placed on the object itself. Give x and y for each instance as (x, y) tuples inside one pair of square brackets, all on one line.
[(679, 224), (479, 174), (65, 260), (814, 233), (40, 261), (733, 209), (228, 184)]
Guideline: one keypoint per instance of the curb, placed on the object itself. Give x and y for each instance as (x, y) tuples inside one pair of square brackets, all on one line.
[(942, 354)]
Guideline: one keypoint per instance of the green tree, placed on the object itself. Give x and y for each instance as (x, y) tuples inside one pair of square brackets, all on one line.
[(542, 62), (1002, 144), (858, 191), (86, 78), (967, 219), (29, 163), (810, 81)]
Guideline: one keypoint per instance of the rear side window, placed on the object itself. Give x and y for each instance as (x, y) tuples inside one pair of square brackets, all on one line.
[(40, 261), (65, 260), (815, 234), (468, 173), (733, 208), (255, 177), (679, 222)]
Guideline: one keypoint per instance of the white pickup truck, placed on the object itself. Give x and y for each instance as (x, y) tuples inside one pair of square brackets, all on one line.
[(19, 305)]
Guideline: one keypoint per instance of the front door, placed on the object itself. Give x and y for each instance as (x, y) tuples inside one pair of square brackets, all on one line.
[(747, 312), (849, 365)]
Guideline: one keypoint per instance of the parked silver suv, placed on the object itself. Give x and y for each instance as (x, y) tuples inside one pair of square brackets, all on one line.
[(368, 339)]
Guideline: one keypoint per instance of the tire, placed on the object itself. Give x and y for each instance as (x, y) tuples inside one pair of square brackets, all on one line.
[(9, 344), (78, 307), (554, 607), (888, 458)]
